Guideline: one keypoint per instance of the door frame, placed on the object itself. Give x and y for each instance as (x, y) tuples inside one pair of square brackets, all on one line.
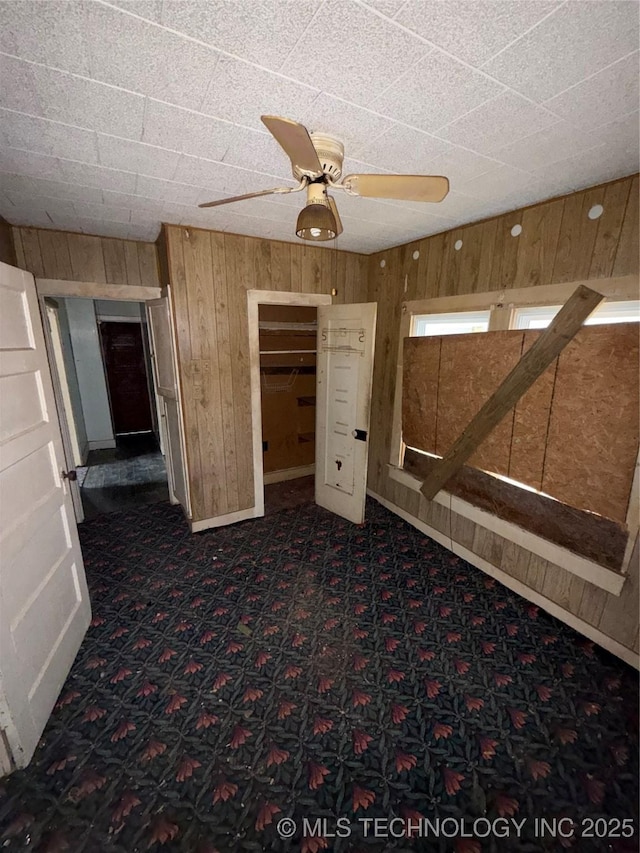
[(65, 414), (62, 289), (255, 298)]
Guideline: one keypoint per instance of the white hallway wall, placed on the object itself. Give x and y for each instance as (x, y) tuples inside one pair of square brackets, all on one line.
[(92, 384), (72, 382)]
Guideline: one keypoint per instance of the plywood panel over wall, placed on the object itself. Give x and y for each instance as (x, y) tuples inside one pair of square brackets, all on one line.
[(210, 274), (558, 243), (82, 257)]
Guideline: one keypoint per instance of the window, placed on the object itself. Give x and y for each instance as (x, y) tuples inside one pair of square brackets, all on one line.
[(607, 312), (458, 323)]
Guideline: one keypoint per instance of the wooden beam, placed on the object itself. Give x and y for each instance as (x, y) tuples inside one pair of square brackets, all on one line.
[(564, 327)]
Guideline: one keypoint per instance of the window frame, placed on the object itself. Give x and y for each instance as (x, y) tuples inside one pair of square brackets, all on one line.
[(503, 305)]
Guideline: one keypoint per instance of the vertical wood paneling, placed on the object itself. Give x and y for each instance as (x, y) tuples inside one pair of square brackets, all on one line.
[(86, 257), (577, 236), (558, 243), (114, 262), (7, 247), (223, 355), (31, 251), (81, 257), (148, 264), (131, 263), (628, 249), (537, 244), (615, 201)]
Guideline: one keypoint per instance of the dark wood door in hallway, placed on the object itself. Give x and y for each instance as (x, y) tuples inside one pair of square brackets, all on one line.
[(126, 376)]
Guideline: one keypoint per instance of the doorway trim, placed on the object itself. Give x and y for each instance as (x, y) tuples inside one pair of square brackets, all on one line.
[(96, 290), (256, 298)]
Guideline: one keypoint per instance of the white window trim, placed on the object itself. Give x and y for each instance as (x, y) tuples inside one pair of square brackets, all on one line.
[(502, 304)]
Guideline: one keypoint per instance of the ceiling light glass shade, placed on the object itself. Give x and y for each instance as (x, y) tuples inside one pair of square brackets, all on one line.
[(316, 222)]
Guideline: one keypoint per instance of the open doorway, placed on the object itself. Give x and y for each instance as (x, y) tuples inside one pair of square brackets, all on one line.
[(105, 391), (287, 337)]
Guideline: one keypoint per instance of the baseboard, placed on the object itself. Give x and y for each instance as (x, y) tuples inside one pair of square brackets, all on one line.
[(102, 444), (222, 520), (289, 474), (617, 649)]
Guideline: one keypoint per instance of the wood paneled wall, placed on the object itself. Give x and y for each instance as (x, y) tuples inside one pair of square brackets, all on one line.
[(210, 274), (82, 257), (558, 243), (7, 249)]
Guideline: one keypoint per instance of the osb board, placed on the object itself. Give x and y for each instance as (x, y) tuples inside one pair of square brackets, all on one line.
[(598, 539), (471, 369), (421, 366), (530, 420), (592, 442)]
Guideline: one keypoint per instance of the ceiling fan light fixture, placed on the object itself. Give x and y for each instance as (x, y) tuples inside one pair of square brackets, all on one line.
[(316, 222)]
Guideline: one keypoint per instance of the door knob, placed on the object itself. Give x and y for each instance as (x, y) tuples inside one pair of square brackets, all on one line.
[(70, 475)]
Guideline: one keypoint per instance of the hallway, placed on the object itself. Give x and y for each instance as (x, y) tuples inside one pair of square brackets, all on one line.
[(131, 474), (302, 666)]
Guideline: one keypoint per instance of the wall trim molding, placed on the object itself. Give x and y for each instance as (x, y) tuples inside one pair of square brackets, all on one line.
[(254, 299), (617, 649), (598, 575), (222, 520), (96, 290), (289, 474)]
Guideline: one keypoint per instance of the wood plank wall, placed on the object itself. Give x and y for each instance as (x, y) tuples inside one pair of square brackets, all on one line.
[(7, 249), (82, 257), (558, 243), (210, 274)]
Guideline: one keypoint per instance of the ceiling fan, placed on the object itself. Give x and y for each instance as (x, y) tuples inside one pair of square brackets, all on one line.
[(316, 162)]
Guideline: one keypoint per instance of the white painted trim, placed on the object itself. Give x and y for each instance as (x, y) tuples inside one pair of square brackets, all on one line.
[(102, 444), (254, 299), (96, 290), (289, 474), (113, 318), (625, 654), (222, 520), (594, 573), (613, 289)]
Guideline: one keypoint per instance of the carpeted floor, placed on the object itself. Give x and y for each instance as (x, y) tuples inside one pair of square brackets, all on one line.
[(303, 667)]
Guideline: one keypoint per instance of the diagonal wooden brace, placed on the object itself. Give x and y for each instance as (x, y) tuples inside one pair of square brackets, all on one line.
[(563, 328)]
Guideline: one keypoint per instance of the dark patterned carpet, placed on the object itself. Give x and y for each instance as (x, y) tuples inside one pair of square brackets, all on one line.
[(302, 667)]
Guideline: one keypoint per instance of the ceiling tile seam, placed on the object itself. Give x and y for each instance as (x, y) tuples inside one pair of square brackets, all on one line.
[(55, 181), (218, 50), (590, 77), (452, 56), (126, 171), (135, 142), (257, 130), (303, 36), (397, 80), (128, 92), (525, 33)]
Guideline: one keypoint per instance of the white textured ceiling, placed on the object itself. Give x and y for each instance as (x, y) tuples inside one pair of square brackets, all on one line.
[(118, 115)]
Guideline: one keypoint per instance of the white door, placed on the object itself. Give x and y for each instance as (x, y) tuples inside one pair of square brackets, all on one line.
[(163, 355), (44, 602), (346, 338)]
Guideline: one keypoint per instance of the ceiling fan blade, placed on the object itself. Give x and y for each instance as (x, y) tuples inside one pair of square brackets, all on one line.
[(277, 190), (334, 209), (404, 187), (296, 142)]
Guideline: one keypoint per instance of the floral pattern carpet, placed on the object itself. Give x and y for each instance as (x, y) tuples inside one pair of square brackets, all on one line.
[(304, 667)]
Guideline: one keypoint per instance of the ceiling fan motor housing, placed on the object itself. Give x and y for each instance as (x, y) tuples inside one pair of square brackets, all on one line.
[(330, 153)]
